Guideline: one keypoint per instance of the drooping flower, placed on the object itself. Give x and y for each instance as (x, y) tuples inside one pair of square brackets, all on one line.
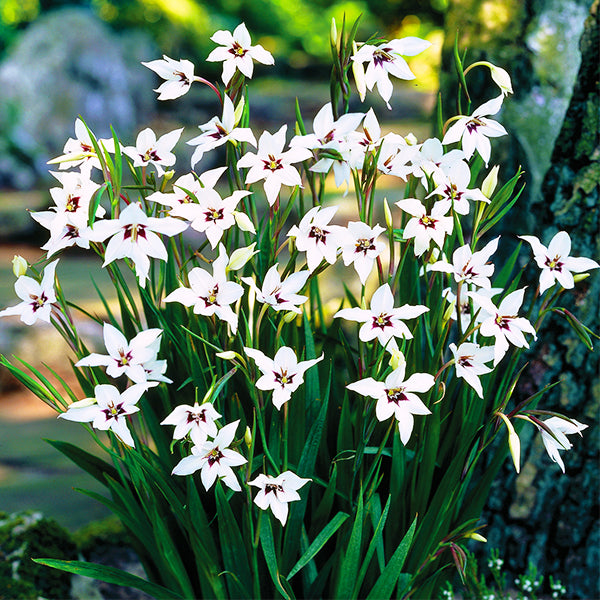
[(281, 295), (315, 236), (37, 297), (468, 266), (236, 52), (424, 227), (283, 374), (474, 131), (197, 420), (560, 428), (272, 164), (125, 357), (134, 235), (382, 321), (555, 262), (110, 410), (179, 75), (211, 294), (149, 150), (469, 360), (214, 459), (502, 322), (360, 247), (385, 60), (217, 132), (277, 492), (396, 397)]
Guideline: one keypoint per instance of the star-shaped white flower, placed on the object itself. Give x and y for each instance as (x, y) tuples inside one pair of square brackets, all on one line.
[(396, 397), (109, 411), (38, 297), (236, 52), (211, 294), (149, 150), (469, 360), (468, 266), (360, 247), (385, 60), (134, 235), (555, 262), (424, 227), (502, 322), (382, 321), (558, 440), (474, 131), (277, 492), (179, 75), (272, 164), (283, 374), (214, 459), (315, 236), (125, 357), (217, 132), (197, 420), (281, 295)]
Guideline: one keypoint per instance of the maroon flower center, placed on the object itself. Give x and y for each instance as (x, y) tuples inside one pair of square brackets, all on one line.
[(38, 301), (396, 395), (214, 214), (318, 234), (382, 321), (554, 264), (214, 456), (72, 203), (212, 296), (273, 488), (113, 411), (134, 231), (272, 164), (283, 378), (382, 55), (237, 50), (364, 244)]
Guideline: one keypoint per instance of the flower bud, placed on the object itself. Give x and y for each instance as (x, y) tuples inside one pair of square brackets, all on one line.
[(397, 359), (227, 355), (388, 214), (83, 403), (580, 277), (501, 78), (240, 257), (248, 437), (359, 75), (490, 182), (168, 175), (514, 443), (19, 265), (476, 536), (411, 139), (244, 222), (239, 111), (289, 316), (333, 35)]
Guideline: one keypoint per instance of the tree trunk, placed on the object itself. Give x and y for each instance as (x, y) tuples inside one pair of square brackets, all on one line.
[(540, 515)]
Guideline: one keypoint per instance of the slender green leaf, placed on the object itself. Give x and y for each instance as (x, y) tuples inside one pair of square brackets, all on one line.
[(349, 566), (268, 545)]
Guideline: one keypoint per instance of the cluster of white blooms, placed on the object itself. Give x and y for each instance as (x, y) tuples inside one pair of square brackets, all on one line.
[(343, 146)]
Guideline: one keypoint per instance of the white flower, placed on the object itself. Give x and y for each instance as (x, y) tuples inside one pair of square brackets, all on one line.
[(237, 53), (468, 266), (560, 428), (396, 397), (211, 294), (281, 295), (125, 357), (502, 322), (272, 164), (217, 132), (110, 410), (283, 374), (360, 247), (277, 492), (316, 237), (425, 227), (474, 131), (469, 360), (383, 321), (214, 459), (149, 150), (197, 420), (555, 262), (133, 235), (37, 297), (431, 159), (179, 75), (385, 60)]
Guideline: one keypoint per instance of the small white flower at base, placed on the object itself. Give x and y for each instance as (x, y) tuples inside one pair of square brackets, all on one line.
[(555, 262), (276, 492), (37, 297), (560, 428), (214, 459), (110, 410)]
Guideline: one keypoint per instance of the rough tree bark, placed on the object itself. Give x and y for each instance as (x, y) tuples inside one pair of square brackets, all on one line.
[(541, 515)]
